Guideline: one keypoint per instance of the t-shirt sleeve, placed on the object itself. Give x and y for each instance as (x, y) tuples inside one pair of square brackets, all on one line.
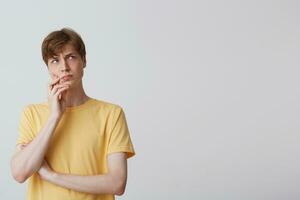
[(119, 137), (26, 126)]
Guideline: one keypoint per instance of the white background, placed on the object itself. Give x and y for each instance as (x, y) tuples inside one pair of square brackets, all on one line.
[(210, 90)]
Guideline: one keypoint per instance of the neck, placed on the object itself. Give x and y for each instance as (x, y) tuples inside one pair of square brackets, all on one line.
[(74, 96)]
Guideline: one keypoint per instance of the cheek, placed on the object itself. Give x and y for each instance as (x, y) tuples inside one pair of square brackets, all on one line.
[(53, 75), (80, 73)]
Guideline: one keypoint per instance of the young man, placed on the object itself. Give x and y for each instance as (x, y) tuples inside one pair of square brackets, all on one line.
[(72, 146)]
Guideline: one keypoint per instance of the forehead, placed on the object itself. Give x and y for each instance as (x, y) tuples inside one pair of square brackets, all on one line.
[(66, 49)]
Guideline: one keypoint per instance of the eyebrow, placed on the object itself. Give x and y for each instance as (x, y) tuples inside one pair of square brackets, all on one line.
[(67, 55)]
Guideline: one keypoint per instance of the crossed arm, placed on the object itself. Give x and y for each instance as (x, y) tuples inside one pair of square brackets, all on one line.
[(114, 182), (29, 158)]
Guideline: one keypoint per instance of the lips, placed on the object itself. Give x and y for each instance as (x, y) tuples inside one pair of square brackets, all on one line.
[(66, 77)]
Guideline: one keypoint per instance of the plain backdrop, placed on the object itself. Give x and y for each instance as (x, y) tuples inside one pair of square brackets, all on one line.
[(210, 90)]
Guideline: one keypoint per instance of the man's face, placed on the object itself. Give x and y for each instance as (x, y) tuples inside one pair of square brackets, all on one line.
[(67, 65)]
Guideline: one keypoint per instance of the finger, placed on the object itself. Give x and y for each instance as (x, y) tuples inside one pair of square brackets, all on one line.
[(52, 83), (66, 82), (60, 90), (56, 87), (22, 146)]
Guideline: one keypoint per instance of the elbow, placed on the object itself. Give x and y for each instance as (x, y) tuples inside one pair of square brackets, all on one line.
[(20, 179), (120, 188), (120, 192), (17, 174)]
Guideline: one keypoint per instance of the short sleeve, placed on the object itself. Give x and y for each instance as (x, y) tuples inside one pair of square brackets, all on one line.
[(119, 137), (26, 130)]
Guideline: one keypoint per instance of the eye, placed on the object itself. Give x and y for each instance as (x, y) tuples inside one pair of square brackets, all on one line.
[(71, 57), (54, 61)]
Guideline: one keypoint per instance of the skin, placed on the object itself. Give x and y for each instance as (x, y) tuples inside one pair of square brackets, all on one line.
[(62, 93), (67, 62)]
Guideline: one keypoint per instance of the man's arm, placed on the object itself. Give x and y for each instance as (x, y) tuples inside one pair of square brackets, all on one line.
[(28, 158), (114, 182)]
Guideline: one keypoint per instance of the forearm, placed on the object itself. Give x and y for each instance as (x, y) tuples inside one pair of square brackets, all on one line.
[(96, 184), (28, 160), (113, 182)]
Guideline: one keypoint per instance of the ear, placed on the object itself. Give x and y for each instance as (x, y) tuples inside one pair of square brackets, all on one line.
[(84, 62)]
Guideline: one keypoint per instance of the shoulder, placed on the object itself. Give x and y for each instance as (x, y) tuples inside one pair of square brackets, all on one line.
[(107, 111), (106, 106), (35, 108)]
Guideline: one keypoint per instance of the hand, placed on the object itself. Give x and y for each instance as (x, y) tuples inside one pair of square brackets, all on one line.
[(45, 171), (22, 146), (55, 91)]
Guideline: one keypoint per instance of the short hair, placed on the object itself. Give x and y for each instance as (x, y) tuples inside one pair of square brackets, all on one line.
[(56, 40)]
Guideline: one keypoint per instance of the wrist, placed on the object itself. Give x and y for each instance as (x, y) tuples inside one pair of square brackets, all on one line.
[(55, 117), (52, 176)]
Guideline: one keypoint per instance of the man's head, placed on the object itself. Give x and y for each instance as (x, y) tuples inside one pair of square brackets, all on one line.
[(54, 43), (64, 53)]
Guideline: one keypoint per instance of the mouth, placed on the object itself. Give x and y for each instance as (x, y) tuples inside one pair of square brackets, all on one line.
[(66, 78)]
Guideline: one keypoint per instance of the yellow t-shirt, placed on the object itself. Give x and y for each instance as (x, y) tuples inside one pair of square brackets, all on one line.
[(83, 138)]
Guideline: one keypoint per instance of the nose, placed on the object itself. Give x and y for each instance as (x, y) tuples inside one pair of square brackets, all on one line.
[(64, 66)]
